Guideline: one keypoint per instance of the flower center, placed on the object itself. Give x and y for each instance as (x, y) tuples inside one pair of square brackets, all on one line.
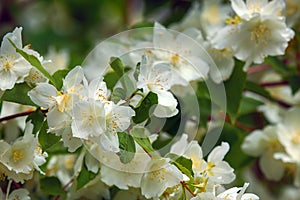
[(296, 138), (7, 64), (233, 20), (174, 59), (260, 34), (62, 101), (17, 155), (158, 174)]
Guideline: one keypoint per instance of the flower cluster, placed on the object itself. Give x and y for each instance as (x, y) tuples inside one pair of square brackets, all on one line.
[(156, 113)]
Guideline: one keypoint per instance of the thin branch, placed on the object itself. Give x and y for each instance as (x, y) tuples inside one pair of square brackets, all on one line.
[(187, 188), (64, 188), (273, 84), (21, 114)]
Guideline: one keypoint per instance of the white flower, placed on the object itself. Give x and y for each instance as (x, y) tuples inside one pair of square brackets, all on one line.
[(160, 176), (13, 67), (23, 155), (260, 30), (264, 144), (264, 8), (236, 193), (18, 194), (181, 51), (158, 78), (88, 119), (59, 60)]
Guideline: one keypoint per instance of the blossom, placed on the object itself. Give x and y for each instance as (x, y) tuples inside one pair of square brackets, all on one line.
[(181, 51), (264, 144), (158, 78), (13, 67), (18, 194), (236, 193), (160, 176), (260, 30)]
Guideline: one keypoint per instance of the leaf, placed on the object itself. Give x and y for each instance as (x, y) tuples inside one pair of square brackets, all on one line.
[(51, 185), (127, 147), (117, 65), (182, 163), (111, 78), (127, 85), (37, 118), (142, 111), (36, 63), (118, 94), (294, 81), (46, 139), (58, 148), (277, 65), (18, 94), (234, 88), (84, 177), (59, 76), (248, 105), (255, 88), (139, 135)]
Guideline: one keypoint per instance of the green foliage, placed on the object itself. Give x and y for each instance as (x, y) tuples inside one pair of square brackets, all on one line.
[(139, 135), (248, 105), (37, 119), (117, 65), (58, 76), (294, 82), (111, 79), (18, 94), (234, 88), (182, 163), (84, 177), (47, 140), (118, 94), (143, 109), (51, 186), (36, 63), (255, 88), (277, 65), (127, 147)]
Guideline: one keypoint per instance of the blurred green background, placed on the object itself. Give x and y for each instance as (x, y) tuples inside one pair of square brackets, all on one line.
[(78, 25)]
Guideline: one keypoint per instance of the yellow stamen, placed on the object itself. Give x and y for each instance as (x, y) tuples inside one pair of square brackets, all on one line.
[(261, 34), (17, 155)]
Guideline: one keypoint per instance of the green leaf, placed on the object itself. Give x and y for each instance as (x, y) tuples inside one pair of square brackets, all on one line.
[(234, 88), (277, 65), (255, 88), (294, 81), (18, 94), (46, 139), (127, 147), (118, 94), (137, 71), (139, 135), (59, 76), (142, 111), (111, 79), (182, 163), (84, 177), (248, 105), (51, 186), (35, 62), (128, 85), (117, 65), (58, 148), (37, 119)]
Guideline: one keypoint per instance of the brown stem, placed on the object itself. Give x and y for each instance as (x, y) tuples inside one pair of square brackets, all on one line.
[(187, 188), (273, 84), (236, 124), (21, 114), (64, 188)]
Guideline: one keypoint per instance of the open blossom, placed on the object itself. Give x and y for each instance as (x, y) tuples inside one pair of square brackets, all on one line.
[(13, 67), (159, 78), (265, 143), (184, 54), (23, 156), (160, 175), (260, 29), (18, 194)]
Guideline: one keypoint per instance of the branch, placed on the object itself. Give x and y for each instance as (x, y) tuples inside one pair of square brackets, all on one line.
[(21, 114), (258, 68), (187, 188), (273, 84)]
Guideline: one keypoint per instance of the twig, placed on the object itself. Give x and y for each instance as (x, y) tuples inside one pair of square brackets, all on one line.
[(21, 114), (273, 84), (64, 188), (187, 188)]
